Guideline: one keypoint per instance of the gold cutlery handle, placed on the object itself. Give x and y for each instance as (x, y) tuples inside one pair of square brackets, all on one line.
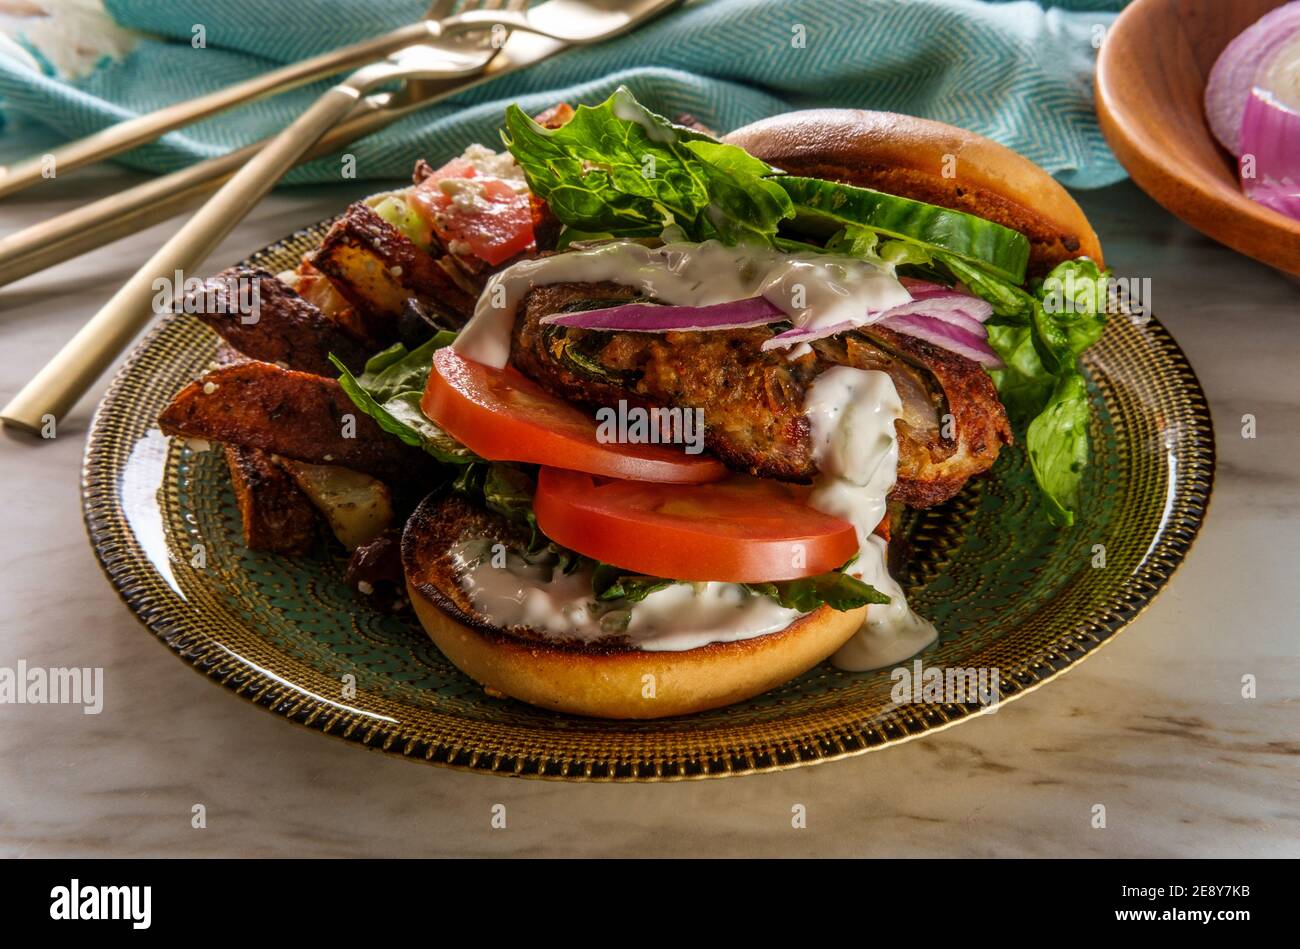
[(56, 388), (127, 212), (145, 128)]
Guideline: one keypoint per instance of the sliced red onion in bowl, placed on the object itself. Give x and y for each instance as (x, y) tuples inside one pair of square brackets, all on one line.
[(1238, 69), (958, 339), (1270, 137), (654, 318), (1280, 196)]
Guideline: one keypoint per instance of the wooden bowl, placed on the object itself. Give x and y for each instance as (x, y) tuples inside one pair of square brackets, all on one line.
[(1151, 78)]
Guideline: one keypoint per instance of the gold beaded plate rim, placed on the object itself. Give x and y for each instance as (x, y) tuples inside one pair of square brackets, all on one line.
[(1144, 383)]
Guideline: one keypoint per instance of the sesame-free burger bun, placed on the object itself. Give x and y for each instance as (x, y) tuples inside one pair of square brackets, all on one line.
[(932, 162), (604, 681)]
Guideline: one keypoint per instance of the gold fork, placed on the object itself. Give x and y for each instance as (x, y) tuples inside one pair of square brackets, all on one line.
[(63, 380), (126, 135)]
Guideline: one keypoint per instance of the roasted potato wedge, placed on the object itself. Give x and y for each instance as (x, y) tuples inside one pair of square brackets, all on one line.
[(318, 290), (277, 516), (293, 414), (377, 269), (284, 328), (358, 507)]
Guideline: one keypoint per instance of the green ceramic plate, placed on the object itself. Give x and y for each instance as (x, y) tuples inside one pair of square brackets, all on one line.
[(1006, 591)]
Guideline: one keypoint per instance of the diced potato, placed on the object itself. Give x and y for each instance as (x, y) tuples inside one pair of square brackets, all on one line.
[(377, 269), (358, 507)]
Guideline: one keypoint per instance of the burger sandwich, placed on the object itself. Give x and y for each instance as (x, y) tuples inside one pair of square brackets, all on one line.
[(697, 381)]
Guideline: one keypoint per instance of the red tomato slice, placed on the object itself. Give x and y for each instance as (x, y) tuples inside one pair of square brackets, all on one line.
[(741, 530), (504, 416), (498, 227)]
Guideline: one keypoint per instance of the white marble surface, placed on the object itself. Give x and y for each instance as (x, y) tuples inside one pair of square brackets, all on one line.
[(1154, 726)]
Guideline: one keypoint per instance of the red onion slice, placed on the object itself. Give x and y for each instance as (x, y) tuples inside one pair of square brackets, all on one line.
[(930, 300), (653, 318), (1270, 133), (806, 334), (957, 308), (1281, 197), (1237, 70), (920, 289), (937, 314), (957, 339)]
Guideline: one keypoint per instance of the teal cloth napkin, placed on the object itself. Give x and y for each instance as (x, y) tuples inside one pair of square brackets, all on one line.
[(1018, 72)]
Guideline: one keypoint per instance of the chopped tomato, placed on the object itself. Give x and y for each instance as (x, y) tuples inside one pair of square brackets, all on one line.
[(741, 530), (504, 416), (456, 168), (494, 221)]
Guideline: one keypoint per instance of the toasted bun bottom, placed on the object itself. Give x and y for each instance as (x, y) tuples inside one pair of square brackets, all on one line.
[(599, 680), (633, 683)]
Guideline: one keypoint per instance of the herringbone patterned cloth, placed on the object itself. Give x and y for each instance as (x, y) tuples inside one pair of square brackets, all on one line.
[(1019, 72)]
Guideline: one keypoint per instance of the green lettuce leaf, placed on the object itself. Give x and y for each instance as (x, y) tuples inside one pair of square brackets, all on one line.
[(1075, 294), (390, 390), (609, 582), (620, 169), (1023, 383), (1057, 442), (1039, 339), (836, 589), (1007, 299), (506, 489)]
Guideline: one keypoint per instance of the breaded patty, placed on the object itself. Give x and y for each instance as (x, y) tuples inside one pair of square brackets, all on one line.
[(753, 400), (953, 424)]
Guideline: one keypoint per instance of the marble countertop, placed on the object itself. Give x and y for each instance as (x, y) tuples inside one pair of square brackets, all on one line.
[(1154, 726)]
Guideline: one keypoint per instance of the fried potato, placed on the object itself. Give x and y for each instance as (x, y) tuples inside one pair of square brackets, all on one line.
[(293, 414), (283, 328), (277, 516), (358, 507), (377, 269), (318, 290)]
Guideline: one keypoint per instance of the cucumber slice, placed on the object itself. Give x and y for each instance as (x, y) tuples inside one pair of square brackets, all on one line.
[(397, 211), (823, 207)]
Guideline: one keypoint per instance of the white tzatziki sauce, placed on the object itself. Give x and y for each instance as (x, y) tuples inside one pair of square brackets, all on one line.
[(679, 617), (852, 414), (813, 289)]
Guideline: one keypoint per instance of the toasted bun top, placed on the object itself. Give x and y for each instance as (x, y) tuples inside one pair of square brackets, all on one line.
[(932, 162)]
